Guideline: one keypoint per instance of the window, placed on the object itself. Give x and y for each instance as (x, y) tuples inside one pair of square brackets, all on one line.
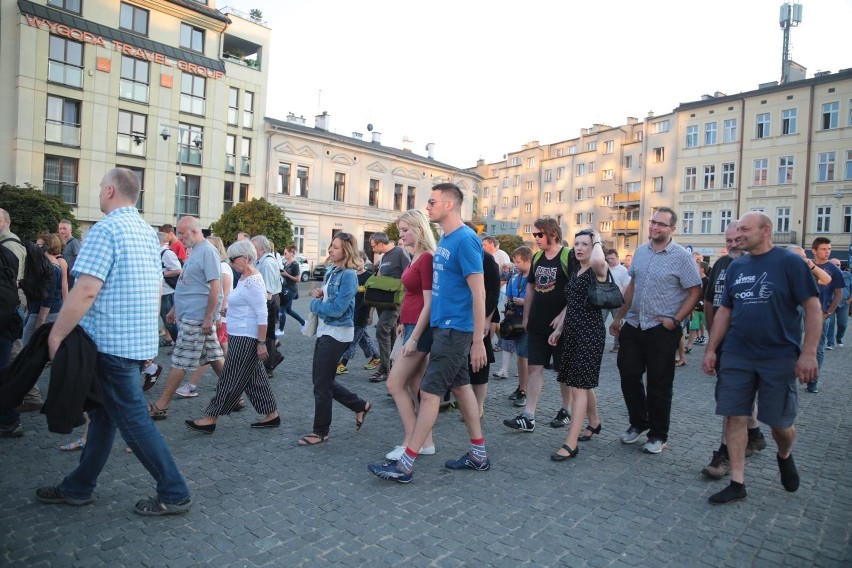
[(559, 196), (590, 218), (233, 104), (688, 222), (609, 147), (411, 197), (245, 156), (515, 161), (506, 181), (189, 144), (548, 175), (339, 186), (730, 133), (604, 226), (606, 200), (761, 171), (528, 207), (658, 184), (485, 191), (725, 218), (515, 201), (847, 219), (690, 176), (825, 161), (60, 178), (231, 154), (373, 196), (823, 219), (68, 5), (283, 178), (189, 195), (133, 18), (785, 170), (530, 185), (633, 187), (493, 211), (62, 122), (572, 150), (578, 218), (830, 115), (505, 203), (788, 121), (579, 196), (782, 220), (591, 146), (709, 177), (531, 163), (65, 62), (709, 133), (706, 222), (658, 155), (302, 178), (581, 169), (191, 38), (607, 174), (628, 162), (397, 197), (140, 175), (560, 172), (134, 79), (131, 133), (557, 152), (547, 197), (590, 192), (728, 175), (517, 181), (248, 109), (244, 189), (692, 136), (763, 124), (593, 167), (192, 93), (299, 238), (661, 126), (228, 196), (527, 229), (848, 164)]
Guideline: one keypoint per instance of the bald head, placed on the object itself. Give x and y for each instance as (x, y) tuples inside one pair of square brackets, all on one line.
[(125, 182), (189, 231)]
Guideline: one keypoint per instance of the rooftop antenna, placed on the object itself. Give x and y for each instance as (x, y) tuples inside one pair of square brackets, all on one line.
[(790, 16)]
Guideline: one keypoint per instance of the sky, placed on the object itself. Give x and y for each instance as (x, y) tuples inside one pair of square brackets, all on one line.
[(481, 78)]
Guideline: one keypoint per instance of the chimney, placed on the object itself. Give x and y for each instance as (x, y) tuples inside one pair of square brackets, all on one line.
[(293, 119), (377, 137), (357, 135), (322, 121), (406, 144), (430, 149), (650, 114), (632, 120)]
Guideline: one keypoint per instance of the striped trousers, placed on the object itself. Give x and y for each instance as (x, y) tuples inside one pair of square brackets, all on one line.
[(243, 372)]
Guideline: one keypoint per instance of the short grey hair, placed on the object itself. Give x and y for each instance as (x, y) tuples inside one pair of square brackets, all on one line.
[(242, 248), (262, 243), (380, 238), (162, 236)]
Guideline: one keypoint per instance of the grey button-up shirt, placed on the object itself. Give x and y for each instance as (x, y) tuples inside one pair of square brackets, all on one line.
[(268, 268)]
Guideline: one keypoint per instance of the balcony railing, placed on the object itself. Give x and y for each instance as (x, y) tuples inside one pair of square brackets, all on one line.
[(62, 133), (622, 199), (190, 155), (70, 75), (245, 165), (230, 161), (629, 226), (788, 238)]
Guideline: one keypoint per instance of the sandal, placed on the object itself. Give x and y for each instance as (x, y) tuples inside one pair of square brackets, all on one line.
[(311, 439), (77, 444), (572, 453), (157, 413), (363, 413), (680, 363)]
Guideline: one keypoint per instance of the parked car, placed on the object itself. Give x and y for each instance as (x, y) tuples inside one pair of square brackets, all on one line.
[(319, 272), (304, 267)]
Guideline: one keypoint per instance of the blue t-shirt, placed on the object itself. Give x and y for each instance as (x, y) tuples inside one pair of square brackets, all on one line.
[(764, 293), (826, 291), (459, 255)]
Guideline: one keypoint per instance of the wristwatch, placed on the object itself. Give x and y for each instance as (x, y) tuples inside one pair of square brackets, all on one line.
[(676, 321)]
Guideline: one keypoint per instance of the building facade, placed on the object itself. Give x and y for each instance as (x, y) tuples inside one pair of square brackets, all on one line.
[(175, 90)]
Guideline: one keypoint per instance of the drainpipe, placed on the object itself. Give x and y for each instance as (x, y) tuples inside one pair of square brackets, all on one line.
[(740, 159), (808, 169)]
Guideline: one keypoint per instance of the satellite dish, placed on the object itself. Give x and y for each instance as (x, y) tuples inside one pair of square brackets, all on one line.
[(370, 127)]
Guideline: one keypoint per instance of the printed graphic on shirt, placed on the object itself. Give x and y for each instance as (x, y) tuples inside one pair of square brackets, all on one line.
[(752, 289), (545, 278)]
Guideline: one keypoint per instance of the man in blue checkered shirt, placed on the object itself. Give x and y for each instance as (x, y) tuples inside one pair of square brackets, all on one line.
[(116, 301)]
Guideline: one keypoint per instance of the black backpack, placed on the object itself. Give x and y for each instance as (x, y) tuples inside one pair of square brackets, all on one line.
[(170, 280), (9, 302), (38, 272)]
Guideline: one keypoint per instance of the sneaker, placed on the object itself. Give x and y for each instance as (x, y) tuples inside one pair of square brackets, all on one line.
[(521, 423), (53, 496), (389, 472), (719, 466), (378, 377), (396, 453), (840, 344), (563, 418), (151, 378), (755, 443), (372, 363), (341, 369), (187, 390), (467, 462), (653, 446), (13, 430), (522, 399), (812, 388), (514, 395), (157, 508), (279, 332), (632, 435), (789, 474), (728, 495), (829, 347), (501, 374)]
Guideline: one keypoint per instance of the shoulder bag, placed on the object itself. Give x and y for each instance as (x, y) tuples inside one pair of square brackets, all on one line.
[(604, 295)]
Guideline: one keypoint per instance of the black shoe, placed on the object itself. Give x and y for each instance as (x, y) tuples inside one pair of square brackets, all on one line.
[(13, 430), (729, 494), (592, 431), (563, 418), (572, 453), (378, 377), (789, 474), (206, 428), (271, 423)]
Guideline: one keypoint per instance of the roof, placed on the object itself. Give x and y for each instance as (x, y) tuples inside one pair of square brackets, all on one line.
[(202, 9)]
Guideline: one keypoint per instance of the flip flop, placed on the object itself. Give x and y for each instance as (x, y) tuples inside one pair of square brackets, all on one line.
[(311, 439), (363, 413), (77, 444)]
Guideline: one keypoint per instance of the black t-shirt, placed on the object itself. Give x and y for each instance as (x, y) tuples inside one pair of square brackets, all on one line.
[(716, 287), (549, 279), (293, 269), (362, 310)]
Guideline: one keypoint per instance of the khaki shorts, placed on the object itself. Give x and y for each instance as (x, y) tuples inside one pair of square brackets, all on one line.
[(194, 348)]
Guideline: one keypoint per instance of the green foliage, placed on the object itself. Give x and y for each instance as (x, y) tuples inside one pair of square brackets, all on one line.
[(33, 211), (257, 217), (509, 243), (393, 233)]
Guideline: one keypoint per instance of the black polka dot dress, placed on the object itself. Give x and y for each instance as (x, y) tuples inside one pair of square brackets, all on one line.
[(583, 336)]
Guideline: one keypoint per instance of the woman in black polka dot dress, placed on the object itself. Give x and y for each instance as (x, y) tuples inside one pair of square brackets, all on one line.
[(583, 338)]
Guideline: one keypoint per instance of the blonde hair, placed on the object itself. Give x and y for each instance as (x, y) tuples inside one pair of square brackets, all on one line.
[(220, 246), (349, 244), (421, 227)]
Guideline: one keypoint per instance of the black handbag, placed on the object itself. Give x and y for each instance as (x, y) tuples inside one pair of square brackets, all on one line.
[(512, 326), (604, 295)]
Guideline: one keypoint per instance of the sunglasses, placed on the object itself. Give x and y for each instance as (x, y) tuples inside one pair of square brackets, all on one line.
[(432, 202), (538, 235), (344, 237), (233, 258)]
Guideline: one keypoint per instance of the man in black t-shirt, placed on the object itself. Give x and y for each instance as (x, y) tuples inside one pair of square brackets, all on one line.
[(393, 263)]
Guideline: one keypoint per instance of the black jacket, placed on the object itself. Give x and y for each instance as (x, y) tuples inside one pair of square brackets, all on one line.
[(73, 387)]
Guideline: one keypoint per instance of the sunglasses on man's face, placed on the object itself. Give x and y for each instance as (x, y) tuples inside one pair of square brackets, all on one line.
[(538, 235)]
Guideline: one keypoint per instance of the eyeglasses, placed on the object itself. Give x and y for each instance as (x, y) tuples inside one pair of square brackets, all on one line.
[(432, 202), (233, 258), (658, 224), (538, 235)]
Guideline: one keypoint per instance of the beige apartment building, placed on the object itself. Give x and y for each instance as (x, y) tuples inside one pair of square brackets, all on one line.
[(327, 182), (174, 90)]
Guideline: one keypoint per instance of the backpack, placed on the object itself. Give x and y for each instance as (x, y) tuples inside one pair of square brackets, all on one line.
[(383, 292), (170, 280), (38, 272), (566, 259), (10, 315)]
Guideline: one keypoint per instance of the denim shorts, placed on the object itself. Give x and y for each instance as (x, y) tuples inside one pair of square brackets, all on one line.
[(522, 347), (424, 344), (772, 380), (449, 361)]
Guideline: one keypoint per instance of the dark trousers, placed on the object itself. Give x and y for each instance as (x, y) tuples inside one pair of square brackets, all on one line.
[(271, 321), (385, 336), (327, 353), (651, 350), (167, 302)]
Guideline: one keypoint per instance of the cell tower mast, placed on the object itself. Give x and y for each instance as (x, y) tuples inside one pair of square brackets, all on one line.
[(790, 16)]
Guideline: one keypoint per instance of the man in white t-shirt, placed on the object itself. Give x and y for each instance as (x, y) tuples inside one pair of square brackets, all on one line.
[(622, 279)]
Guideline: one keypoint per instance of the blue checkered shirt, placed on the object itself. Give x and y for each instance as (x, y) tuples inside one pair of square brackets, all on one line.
[(122, 250)]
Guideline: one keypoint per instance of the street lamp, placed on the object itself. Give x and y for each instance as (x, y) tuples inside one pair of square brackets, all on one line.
[(179, 181)]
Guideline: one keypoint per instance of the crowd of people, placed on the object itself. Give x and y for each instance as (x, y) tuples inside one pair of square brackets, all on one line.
[(134, 290)]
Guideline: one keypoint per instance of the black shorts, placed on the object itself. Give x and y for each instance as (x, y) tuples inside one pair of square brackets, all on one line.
[(540, 351), (481, 376)]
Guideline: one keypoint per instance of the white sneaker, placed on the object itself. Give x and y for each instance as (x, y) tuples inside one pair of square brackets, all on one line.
[(427, 450), (279, 332), (187, 391), (396, 453), (501, 374)]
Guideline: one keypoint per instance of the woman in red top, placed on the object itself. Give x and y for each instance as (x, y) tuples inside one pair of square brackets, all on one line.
[(415, 233)]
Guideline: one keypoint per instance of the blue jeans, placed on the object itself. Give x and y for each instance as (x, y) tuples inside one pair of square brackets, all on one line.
[(286, 309), (842, 315), (124, 408), (167, 302)]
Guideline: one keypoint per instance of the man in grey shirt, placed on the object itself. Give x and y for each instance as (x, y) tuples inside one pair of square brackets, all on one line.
[(270, 270), (198, 298), (72, 247), (393, 263)]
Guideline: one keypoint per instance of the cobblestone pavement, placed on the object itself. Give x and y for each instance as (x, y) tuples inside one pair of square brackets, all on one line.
[(259, 500)]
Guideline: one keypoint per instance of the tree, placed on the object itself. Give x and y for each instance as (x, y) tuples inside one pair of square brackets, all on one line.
[(33, 211), (509, 243), (257, 217), (393, 233)]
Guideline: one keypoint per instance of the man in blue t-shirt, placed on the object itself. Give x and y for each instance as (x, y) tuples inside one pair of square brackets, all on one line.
[(830, 295), (458, 327), (762, 352)]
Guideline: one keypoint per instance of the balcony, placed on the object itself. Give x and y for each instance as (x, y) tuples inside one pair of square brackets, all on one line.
[(189, 155), (58, 72), (62, 133), (788, 238), (245, 165), (241, 51), (626, 199), (625, 226)]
